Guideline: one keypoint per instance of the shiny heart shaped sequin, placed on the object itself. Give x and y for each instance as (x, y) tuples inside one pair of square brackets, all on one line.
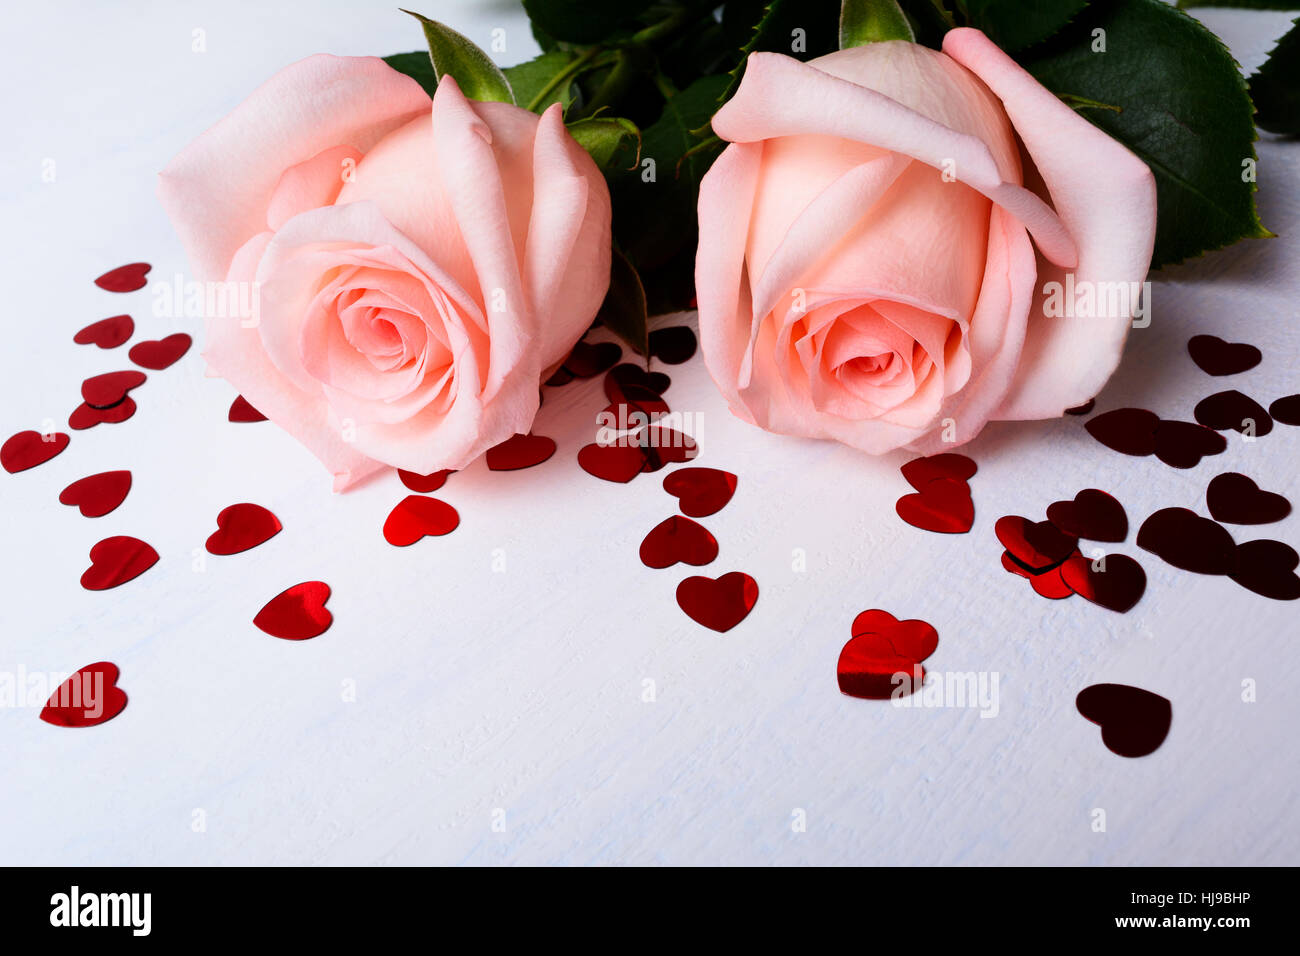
[(1233, 410), (1267, 568), (107, 390), (1037, 545), (883, 657), (1236, 499), (619, 463), (630, 383), (662, 446), (1116, 581), (89, 697), (241, 411), (1133, 721), (1286, 410), (241, 527), (1186, 540), (678, 539), (97, 495), (159, 354), (520, 451), (1048, 584), (86, 416), (673, 345), (943, 505), (297, 613), (1131, 431), (1092, 514), (116, 560), (718, 603), (30, 448), (107, 333), (1217, 357), (125, 278), (424, 484), (701, 491), (588, 360), (919, 472), (1184, 444), (416, 517)]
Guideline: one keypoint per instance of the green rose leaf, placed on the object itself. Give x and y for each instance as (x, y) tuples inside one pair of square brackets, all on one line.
[(624, 310), (581, 21), (612, 141), (543, 80), (1182, 108), (1275, 89), (870, 21), (1244, 4), (1015, 24), (417, 66), (455, 55)]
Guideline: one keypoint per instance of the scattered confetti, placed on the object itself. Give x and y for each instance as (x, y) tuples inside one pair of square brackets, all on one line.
[(97, 495), (1131, 431), (1116, 581), (1217, 357), (297, 613), (1286, 410), (126, 278), (30, 448), (107, 333), (588, 360), (241, 527), (718, 603), (159, 354), (1048, 583), (1093, 514), (673, 345), (520, 451), (1186, 540), (86, 416), (678, 539), (1083, 409), (1267, 568), (1035, 545), (416, 517), (883, 657), (117, 560), (1183, 444), (1232, 409), (701, 491), (1133, 721), (1235, 499), (424, 484), (919, 472), (87, 698), (620, 463), (943, 505), (241, 411), (109, 389)]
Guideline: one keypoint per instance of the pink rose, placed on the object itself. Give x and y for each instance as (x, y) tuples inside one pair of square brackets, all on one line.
[(418, 266), (865, 271)]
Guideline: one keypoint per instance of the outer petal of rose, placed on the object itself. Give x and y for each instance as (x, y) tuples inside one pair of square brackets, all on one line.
[(234, 352), (1105, 196), (779, 96), (312, 183), (218, 188)]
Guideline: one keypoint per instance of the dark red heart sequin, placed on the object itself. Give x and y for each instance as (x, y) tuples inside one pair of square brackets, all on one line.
[(701, 491), (416, 517), (943, 505), (1186, 540), (1133, 721), (884, 655), (97, 495), (241, 411), (1267, 568), (125, 278), (107, 390), (160, 353), (561, 376), (1232, 409), (627, 376), (297, 613), (1083, 409), (1118, 584), (107, 333), (1131, 431), (619, 463), (718, 603), (30, 448), (1217, 357), (1286, 410), (1036, 545), (86, 416), (241, 527), (115, 561), (1236, 499), (1183, 444), (1048, 584), (1092, 514), (661, 446), (424, 484), (673, 345), (520, 451), (588, 360), (89, 697), (919, 472), (678, 539)]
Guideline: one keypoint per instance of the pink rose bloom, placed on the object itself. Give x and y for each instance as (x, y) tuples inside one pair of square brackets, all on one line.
[(865, 269), (419, 266)]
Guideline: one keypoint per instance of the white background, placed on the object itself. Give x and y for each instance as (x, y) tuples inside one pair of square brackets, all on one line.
[(523, 690)]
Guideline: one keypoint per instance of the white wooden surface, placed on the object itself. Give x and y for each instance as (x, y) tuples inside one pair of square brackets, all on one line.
[(522, 691)]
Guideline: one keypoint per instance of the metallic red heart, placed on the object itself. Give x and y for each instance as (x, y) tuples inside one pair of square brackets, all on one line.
[(241, 527), (417, 517), (1092, 514), (107, 333), (159, 354), (701, 491), (718, 603), (87, 698), (1133, 721), (678, 539), (297, 613), (30, 448), (116, 560), (125, 278), (97, 495), (943, 505)]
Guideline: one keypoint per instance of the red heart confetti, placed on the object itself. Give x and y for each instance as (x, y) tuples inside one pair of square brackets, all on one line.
[(943, 505), (107, 333), (1133, 721), (661, 446), (588, 360), (241, 411), (1267, 568), (1131, 431), (241, 527), (561, 376), (85, 416), (619, 463), (1286, 410), (1036, 545), (107, 390), (718, 603), (919, 472), (701, 491), (424, 484), (1117, 584), (297, 613), (97, 495), (1188, 541), (28, 449), (89, 697), (160, 353), (1232, 409), (1048, 584), (1217, 357), (126, 278), (678, 539), (634, 377), (1236, 499), (1092, 514), (116, 560), (416, 517), (1083, 409), (1183, 444), (520, 451), (673, 345), (884, 655)]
